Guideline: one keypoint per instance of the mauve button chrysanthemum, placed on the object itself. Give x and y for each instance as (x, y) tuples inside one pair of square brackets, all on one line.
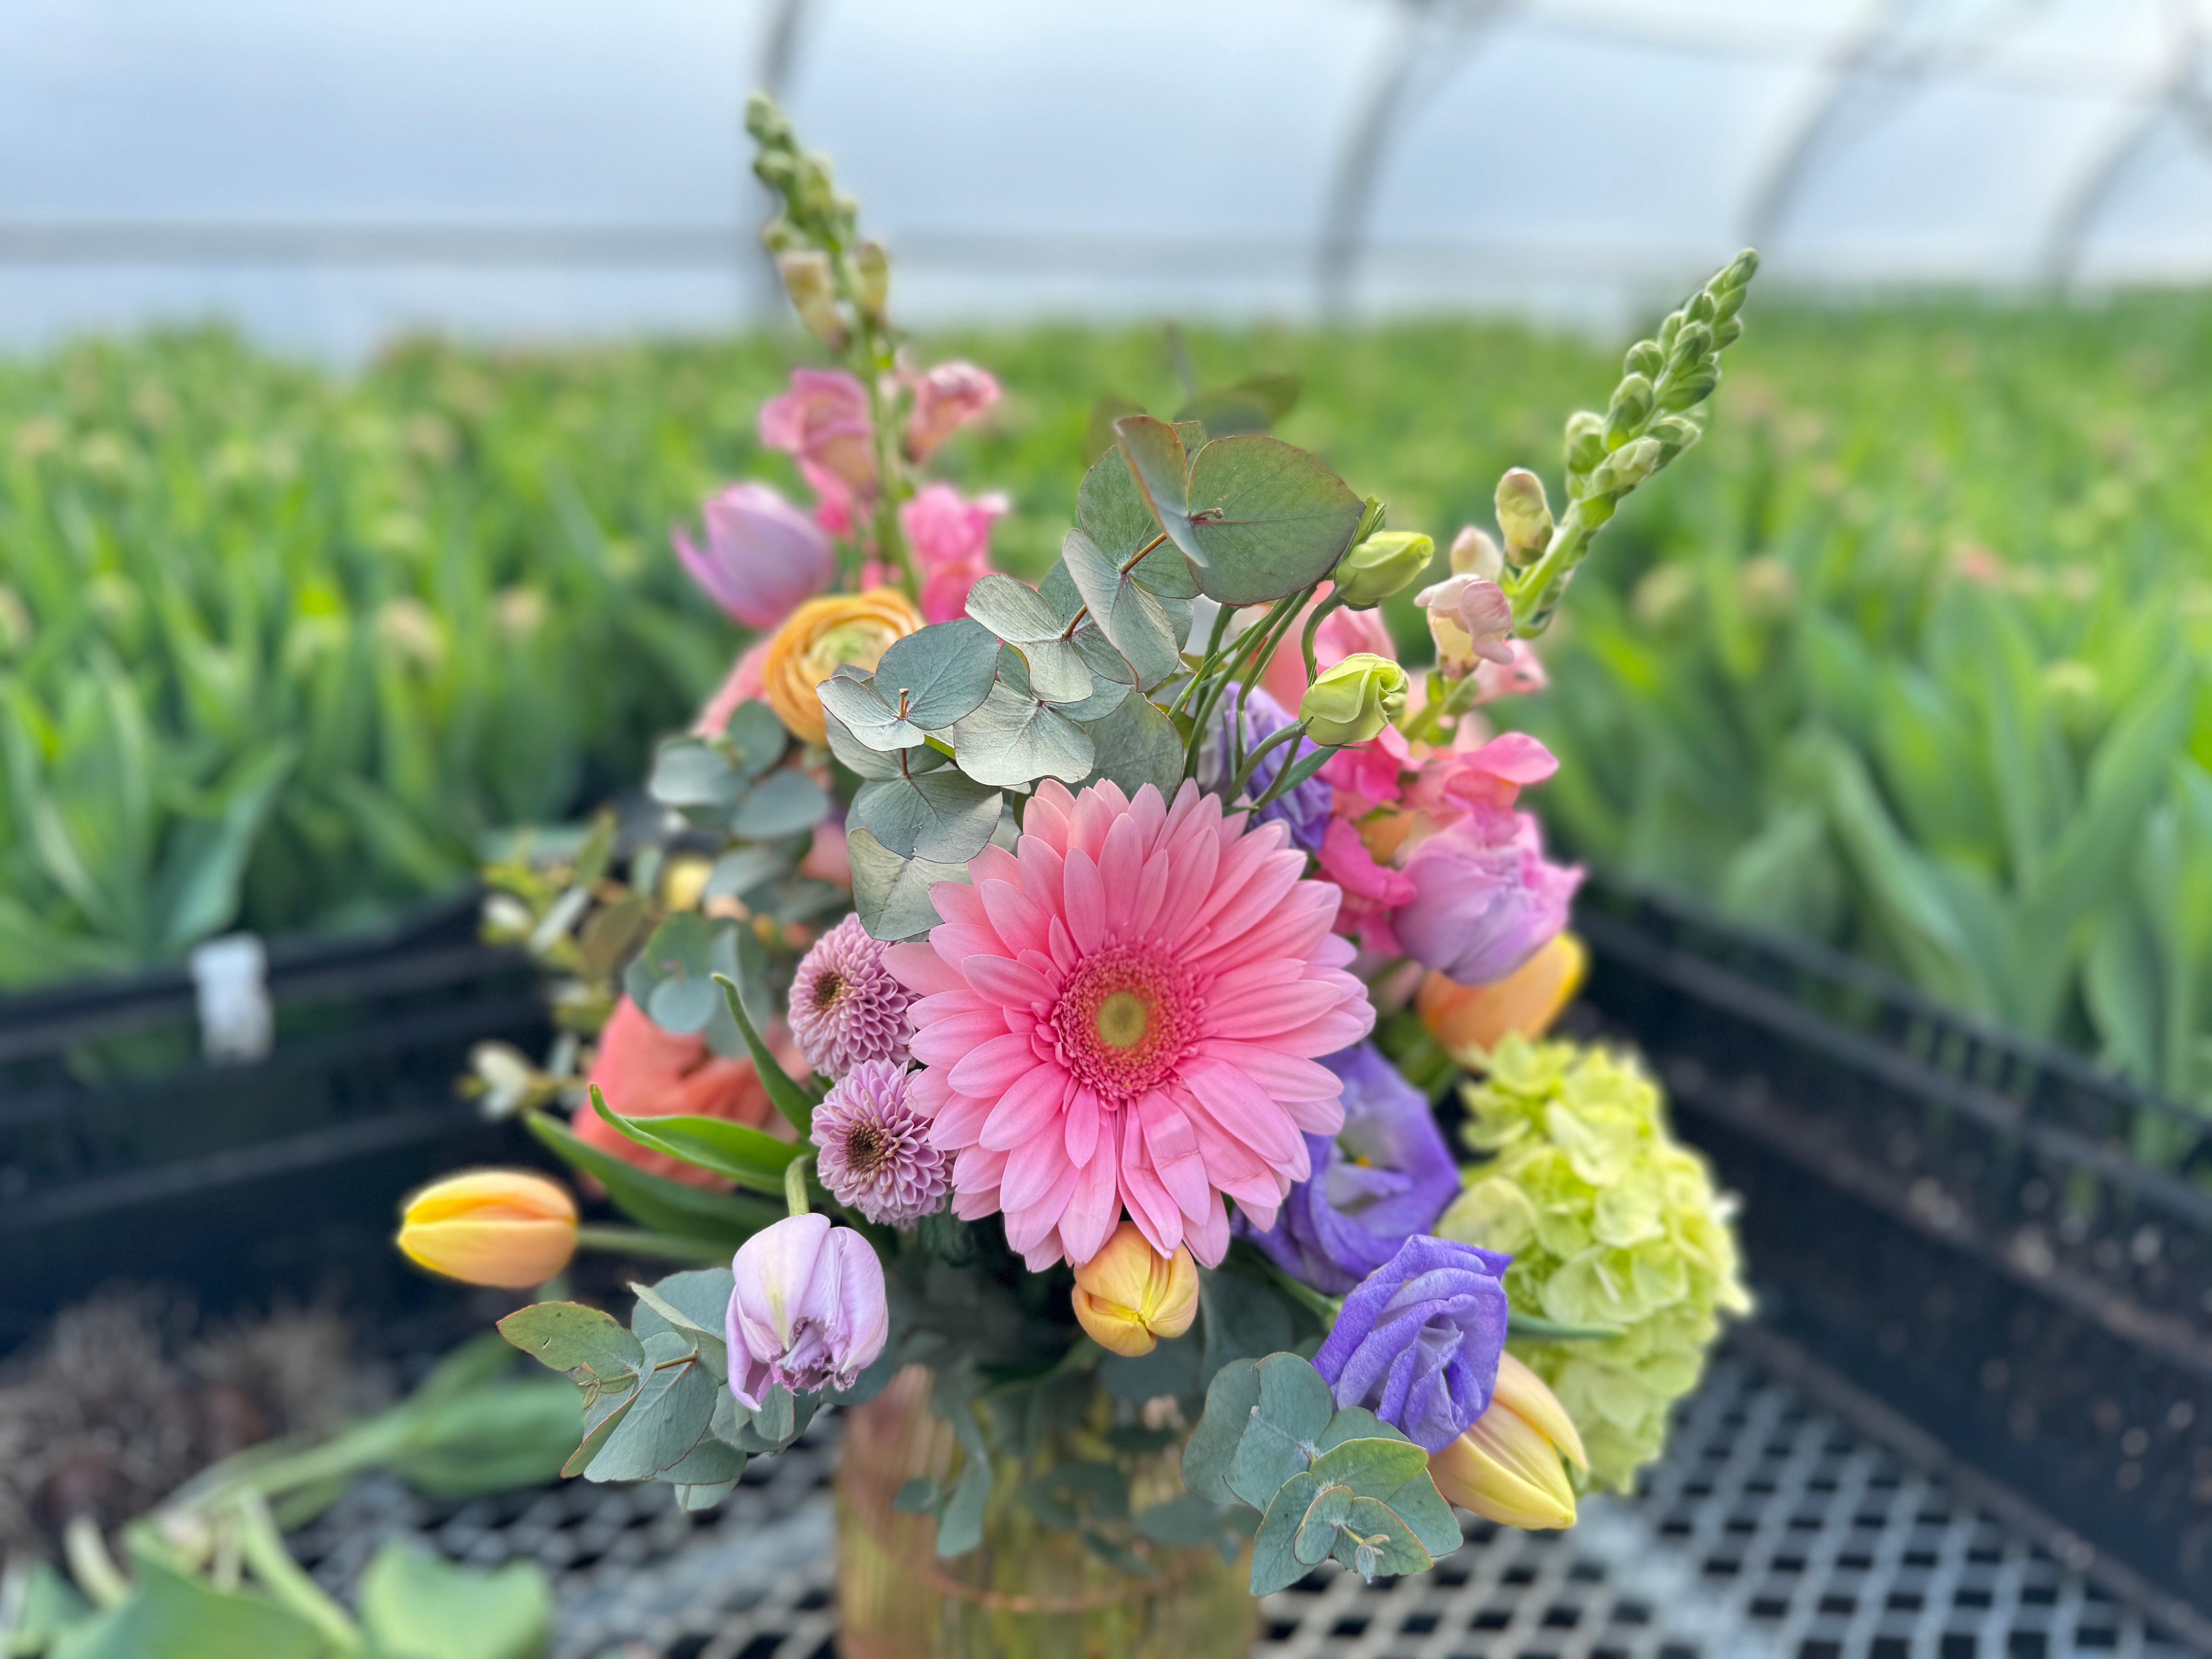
[(1125, 1012), (846, 1007), (876, 1154)]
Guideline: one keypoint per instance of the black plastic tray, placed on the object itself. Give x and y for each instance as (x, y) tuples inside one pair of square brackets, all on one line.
[(124, 1155), (1950, 1217)]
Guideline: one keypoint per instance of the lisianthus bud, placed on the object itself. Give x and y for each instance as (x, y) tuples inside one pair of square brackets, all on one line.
[(1506, 1468), (1474, 553), (1371, 572), (1355, 700), (807, 1310), (1470, 1020), (1469, 617), (806, 279), (1127, 1296), (1523, 515), (504, 1227)]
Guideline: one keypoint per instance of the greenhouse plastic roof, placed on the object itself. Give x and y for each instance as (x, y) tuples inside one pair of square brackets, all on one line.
[(563, 165)]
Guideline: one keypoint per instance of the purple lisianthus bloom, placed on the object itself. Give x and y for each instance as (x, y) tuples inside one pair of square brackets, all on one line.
[(1418, 1342), (1384, 1177), (1304, 808)]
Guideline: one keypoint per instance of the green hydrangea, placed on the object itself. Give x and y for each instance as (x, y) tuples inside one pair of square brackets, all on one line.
[(1610, 1221)]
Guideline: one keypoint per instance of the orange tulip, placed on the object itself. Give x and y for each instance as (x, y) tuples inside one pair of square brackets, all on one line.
[(1470, 1020), (504, 1227), (1127, 1296), (821, 636)]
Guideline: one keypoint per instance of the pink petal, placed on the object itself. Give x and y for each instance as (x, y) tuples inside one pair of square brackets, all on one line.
[(1029, 1109), (1084, 902), (919, 967), (1094, 1208), (1008, 982), (1032, 1168), (990, 1070), (1265, 1013)]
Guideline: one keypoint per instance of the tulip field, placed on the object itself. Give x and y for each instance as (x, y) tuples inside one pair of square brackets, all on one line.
[(1908, 662)]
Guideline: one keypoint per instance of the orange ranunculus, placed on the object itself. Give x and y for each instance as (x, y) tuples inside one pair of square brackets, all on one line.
[(645, 1071), (505, 1227), (819, 637), (1470, 1020)]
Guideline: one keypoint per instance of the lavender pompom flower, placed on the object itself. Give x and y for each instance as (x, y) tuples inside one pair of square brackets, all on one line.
[(845, 1008), (876, 1154), (1418, 1342), (1384, 1177), (1304, 808)]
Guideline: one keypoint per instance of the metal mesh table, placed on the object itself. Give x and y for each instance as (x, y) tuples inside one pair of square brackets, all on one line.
[(1790, 1517)]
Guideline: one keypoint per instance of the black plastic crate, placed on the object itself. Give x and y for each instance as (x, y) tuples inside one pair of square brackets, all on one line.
[(124, 1155), (1952, 1218)]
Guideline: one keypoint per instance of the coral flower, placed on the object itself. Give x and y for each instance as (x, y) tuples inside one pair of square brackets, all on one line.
[(1128, 1011), (643, 1071)]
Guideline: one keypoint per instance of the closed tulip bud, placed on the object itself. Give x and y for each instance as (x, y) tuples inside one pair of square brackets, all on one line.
[(1474, 554), (807, 1309), (1353, 700), (1128, 1296), (806, 279), (1507, 1467), (1470, 1020), (503, 1227), (874, 266), (1371, 572), (1524, 515)]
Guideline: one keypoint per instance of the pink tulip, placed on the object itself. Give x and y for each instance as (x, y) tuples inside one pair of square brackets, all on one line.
[(763, 557), (808, 1310), (952, 542), (945, 400), (1484, 899), (823, 421)]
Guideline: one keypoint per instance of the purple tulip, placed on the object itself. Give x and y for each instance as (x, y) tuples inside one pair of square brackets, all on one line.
[(1486, 898), (763, 557), (808, 1311), (1418, 1342), (1384, 1177)]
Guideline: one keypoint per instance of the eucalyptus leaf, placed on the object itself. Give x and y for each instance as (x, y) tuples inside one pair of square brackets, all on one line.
[(960, 1522), (1423, 1508), (1026, 620), (938, 673), (1231, 1401), (1112, 677), (1012, 740), (694, 1497), (673, 1403), (567, 1336), (1370, 1467), (692, 772), (1275, 1564), (1136, 745), (1385, 1547), (1267, 518), (1135, 620), (783, 803), (755, 737), (943, 816), (741, 869), (892, 893), (852, 697), (1316, 1534), (1294, 1409)]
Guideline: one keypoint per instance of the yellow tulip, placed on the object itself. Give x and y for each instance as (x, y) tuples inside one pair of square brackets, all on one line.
[(504, 1227), (1470, 1020), (1127, 1296), (823, 635), (1506, 1468)]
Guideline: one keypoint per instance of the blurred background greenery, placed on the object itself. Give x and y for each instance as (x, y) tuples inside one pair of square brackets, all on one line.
[(1905, 659)]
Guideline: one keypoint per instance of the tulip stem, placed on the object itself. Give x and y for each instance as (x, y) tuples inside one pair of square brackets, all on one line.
[(640, 1241), (263, 1547), (794, 1184)]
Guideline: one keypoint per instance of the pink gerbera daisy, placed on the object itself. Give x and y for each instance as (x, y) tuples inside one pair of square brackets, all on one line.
[(1126, 1011)]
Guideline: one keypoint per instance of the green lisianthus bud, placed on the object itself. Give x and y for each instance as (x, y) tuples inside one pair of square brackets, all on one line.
[(805, 276), (875, 269), (1524, 515), (1353, 700), (1371, 572)]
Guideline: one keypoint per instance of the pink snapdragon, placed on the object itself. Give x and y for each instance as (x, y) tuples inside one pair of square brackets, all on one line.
[(822, 421), (951, 539), (1470, 618), (945, 398)]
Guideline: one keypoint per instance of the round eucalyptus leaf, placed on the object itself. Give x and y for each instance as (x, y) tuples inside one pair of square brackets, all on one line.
[(782, 804), (892, 893), (852, 697), (868, 764), (1132, 618), (937, 815), (691, 772), (1135, 744), (1013, 739), (1266, 519), (941, 671)]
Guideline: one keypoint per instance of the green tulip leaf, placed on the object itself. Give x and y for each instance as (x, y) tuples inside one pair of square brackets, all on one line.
[(654, 1201)]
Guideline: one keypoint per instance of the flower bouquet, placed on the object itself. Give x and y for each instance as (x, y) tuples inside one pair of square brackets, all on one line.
[(1045, 993)]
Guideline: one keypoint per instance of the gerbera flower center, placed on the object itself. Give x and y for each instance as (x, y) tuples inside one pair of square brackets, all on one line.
[(1123, 1020)]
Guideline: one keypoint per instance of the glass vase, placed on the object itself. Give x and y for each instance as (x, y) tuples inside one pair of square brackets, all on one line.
[(1029, 1591)]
